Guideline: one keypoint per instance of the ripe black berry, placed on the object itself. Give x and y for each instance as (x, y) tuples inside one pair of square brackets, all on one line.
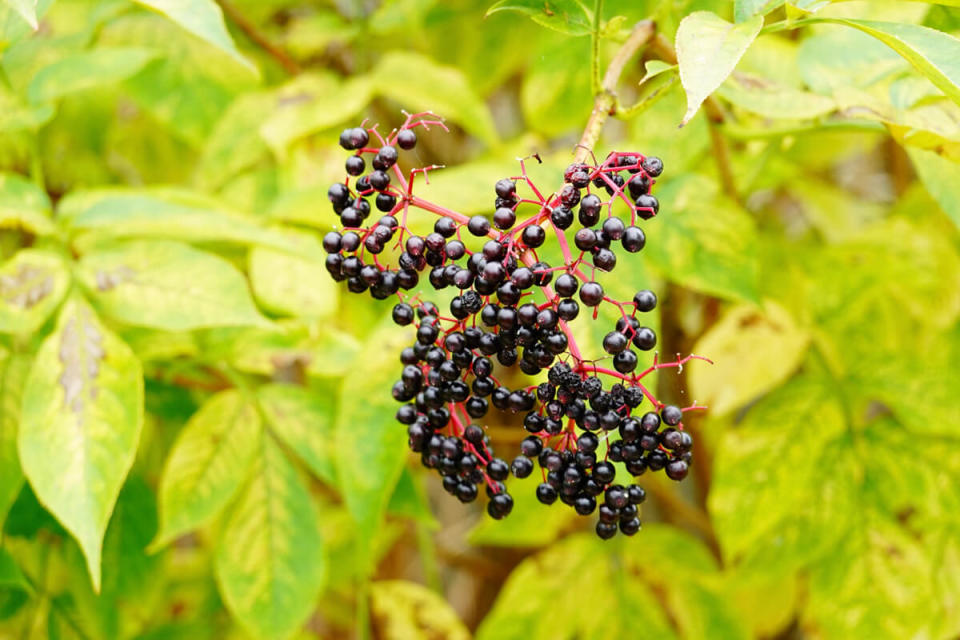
[(406, 139)]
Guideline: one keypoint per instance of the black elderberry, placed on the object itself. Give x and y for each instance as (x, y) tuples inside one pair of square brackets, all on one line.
[(652, 165), (638, 185), (645, 300), (671, 415), (521, 467), (478, 226), (534, 236), (604, 259), (589, 210), (647, 206), (379, 180), (645, 339), (385, 158), (633, 239), (506, 188), (406, 139), (625, 361), (591, 294), (630, 527), (606, 530), (585, 505), (546, 494), (561, 217), (504, 218), (355, 138)]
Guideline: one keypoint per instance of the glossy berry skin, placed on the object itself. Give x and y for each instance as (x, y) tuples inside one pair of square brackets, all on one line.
[(652, 165), (355, 165), (406, 139), (671, 415), (633, 239), (645, 300), (478, 226), (591, 294)]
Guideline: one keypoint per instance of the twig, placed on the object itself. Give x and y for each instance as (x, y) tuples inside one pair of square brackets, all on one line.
[(251, 31), (605, 102), (715, 117)]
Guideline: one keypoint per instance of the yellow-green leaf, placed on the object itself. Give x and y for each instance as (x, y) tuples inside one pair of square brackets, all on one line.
[(24, 204), (409, 611), (302, 419), (941, 177), (708, 49), (270, 560), (80, 424), (27, 10), (768, 99), (168, 285), (13, 373), (566, 16), (86, 70), (32, 284), (933, 53), (203, 19), (291, 285), (208, 464), (753, 350)]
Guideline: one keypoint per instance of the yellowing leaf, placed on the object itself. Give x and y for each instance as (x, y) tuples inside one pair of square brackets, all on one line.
[(81, 419), (708, 49), (32, 284), (208, 464), (270, 559), (13, 373), (85, 71), (753, 350), (168, 285), (767, 99), (302, 419), (203, 19), (566, 16), (408, 611), (292, 285)]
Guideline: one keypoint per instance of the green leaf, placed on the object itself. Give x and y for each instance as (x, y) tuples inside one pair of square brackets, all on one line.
[(131, 576), (399, 607), (566, 16), (772, 505), (428, 86), (10, 573), (370, 445), (933, 53), (270, 561), (27, 10), (208, 464), (556, 86), (168, 285), (667, 582), (703, 241), (760, 96), (302, 420), (32, 285), (203, 19), (743, 10), (86, 70), (80, 425), (13, 372), (290, 285), (753, 351), (175, 215), (24, 204), (708, 49), (314, 103), (531, 523), (860, 590), (941, 177)]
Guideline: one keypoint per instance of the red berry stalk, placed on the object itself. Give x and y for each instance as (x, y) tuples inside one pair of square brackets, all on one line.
[(513, 309)]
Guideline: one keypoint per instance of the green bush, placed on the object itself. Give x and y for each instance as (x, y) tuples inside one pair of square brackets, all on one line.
[(197, 438)]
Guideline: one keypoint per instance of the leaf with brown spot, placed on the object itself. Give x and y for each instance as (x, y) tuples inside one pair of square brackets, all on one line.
[(32, 284), (81, 417)]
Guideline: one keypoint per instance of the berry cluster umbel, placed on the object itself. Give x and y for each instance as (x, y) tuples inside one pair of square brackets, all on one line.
[(588, 424)]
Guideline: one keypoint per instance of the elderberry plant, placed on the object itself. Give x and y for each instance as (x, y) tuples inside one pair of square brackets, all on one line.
[(513, 310)]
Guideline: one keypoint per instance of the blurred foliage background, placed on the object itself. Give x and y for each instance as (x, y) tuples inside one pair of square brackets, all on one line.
[(230, 434)]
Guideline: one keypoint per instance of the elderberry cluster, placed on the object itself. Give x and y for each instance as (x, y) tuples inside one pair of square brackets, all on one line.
[(513, 309)]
